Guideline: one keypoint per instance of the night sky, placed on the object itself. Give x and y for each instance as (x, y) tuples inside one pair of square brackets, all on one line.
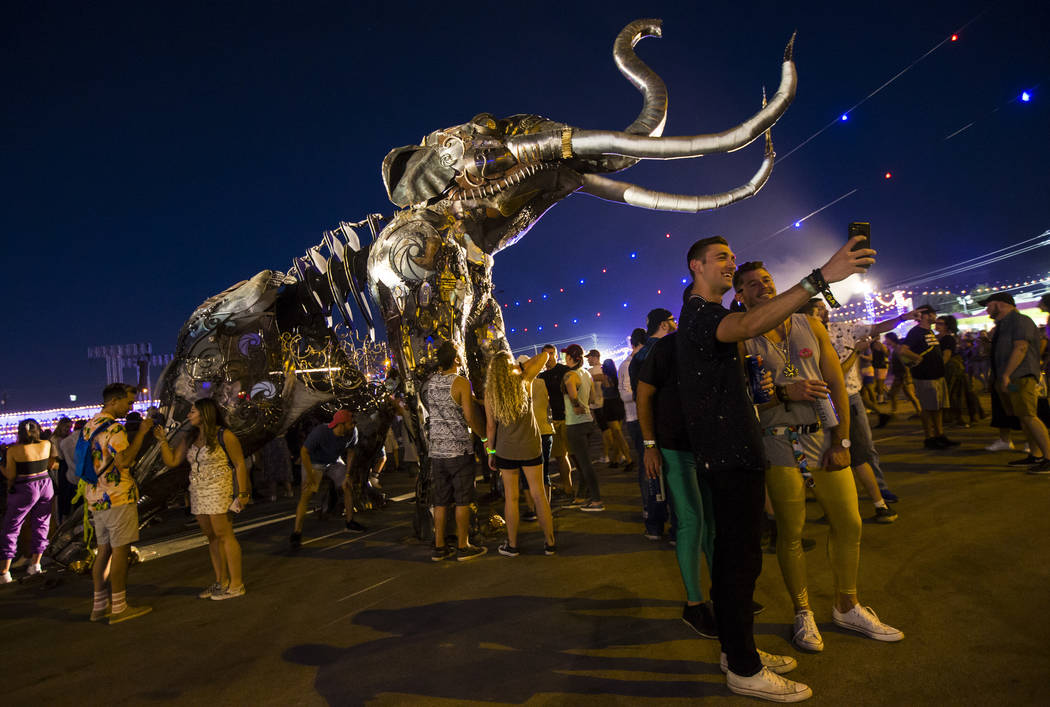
[(156, 153)]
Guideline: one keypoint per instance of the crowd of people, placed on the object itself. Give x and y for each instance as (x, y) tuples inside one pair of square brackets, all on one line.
[(728, 418)]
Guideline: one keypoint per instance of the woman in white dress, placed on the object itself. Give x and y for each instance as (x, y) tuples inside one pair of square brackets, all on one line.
[(213, 453)]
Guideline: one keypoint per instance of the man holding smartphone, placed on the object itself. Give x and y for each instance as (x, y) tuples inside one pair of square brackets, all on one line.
[(725, 436)]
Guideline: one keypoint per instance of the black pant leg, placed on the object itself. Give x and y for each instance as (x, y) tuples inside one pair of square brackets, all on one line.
[(737, 497)]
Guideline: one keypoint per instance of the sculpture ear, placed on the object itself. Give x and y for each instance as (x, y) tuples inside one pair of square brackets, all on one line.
[(415, 173)]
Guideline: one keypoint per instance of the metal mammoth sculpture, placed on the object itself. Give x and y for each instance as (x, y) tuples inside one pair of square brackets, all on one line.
[(267, 349)]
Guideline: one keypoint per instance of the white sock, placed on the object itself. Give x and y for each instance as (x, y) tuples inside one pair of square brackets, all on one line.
[(880, 504)]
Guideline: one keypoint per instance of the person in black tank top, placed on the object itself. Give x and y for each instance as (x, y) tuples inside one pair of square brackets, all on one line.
[(29, 497)]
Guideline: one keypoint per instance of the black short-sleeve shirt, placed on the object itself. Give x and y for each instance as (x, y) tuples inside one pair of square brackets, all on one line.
[(552, 379), (660, 370), (921, 340), (720, 418)]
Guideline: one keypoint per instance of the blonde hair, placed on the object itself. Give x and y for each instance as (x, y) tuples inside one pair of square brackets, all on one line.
[(505, 395)]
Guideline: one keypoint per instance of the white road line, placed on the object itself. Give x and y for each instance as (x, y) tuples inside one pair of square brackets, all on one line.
[(367, 589), (362, 537)]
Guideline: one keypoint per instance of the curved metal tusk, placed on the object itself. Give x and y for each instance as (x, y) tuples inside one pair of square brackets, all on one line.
[(653, 116), (590, 143), (612, 190)]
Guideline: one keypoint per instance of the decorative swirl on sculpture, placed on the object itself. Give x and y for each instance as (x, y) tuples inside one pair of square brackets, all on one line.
[(248, 342)]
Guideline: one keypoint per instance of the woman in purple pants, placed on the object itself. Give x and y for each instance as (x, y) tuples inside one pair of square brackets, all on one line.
[(29, 494)]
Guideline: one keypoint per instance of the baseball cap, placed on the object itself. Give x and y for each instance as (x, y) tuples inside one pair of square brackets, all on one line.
[(594, 352), (574, 350), (655, 318), (1005, 297), (340, 417)]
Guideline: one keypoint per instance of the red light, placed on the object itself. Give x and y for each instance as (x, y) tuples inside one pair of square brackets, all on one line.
[(603, 270), (530, 301), (599, 314), (562, 290), (505, 304), (555, 326), (525, 329), (888, 175), (668, 235), (659, 292), (955, 38)]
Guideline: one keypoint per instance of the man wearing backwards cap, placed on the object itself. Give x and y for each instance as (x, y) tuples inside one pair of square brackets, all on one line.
[(1015, 369), (328, 451)]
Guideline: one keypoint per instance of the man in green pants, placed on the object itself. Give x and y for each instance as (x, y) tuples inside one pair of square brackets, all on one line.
[(664, 436)]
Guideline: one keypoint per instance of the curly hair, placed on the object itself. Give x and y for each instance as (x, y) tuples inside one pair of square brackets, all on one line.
[(505, 395), (211, 420)]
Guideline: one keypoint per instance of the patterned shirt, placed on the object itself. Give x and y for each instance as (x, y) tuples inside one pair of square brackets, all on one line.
[(449, 435), (116, 486), (843, 336)]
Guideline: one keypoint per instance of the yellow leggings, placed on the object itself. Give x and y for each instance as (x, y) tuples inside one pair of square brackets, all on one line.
[(837, 494)]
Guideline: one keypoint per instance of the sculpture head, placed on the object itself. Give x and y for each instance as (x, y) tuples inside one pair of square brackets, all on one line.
[(500, 175)]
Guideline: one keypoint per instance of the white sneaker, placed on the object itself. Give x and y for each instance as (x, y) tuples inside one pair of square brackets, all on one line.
[(807, 636), (863, 619), (999, 446), (6, 578), (34, 569), (373, 481), (767, 685), (779, 664)]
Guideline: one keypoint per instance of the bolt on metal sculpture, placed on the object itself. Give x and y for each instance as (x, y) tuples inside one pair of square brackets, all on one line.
[(267, 349)]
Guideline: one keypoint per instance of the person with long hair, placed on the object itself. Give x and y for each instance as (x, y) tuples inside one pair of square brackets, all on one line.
[(29, 494), (960, 384), (214, 455), (516, 444)]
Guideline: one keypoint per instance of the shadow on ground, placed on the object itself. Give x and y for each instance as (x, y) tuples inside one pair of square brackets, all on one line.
[(528, 645)]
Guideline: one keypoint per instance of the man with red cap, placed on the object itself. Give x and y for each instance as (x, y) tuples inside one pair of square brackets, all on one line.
[(328, 451)]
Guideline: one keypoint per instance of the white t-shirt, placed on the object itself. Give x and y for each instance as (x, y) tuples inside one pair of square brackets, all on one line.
[(843, 336), (630, 409)]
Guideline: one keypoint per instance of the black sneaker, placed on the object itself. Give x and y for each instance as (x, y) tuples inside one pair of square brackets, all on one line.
[(932, 443), (469, 552), (550, 549), (1041, 467), (701, 618), (354, 527), (1027, 461), (508, 550), (442, 553), (947, 442), (885, 515), (295, 541)]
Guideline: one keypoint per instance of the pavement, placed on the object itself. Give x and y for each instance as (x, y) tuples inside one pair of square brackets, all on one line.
[(369, 619)]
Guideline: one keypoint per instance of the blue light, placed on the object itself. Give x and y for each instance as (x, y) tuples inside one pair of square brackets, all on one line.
[(625, 305), (1026, 96), (684, 280), (517, 304), (513, 330), (845, 117), (581, 280), (634, 256), (539, 328), (798, 224), (575, 321), (544, 296)]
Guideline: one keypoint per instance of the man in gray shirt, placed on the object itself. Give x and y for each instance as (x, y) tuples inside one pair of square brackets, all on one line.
[(1015, 363)]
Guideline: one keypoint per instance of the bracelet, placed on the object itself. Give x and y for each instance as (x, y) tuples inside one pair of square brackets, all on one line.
[(808, 287), (816, 278), (781, 393), (649, 443), (484, 439), (490, 451)]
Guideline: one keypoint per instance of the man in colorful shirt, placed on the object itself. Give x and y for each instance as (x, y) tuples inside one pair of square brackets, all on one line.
[(112, 501)]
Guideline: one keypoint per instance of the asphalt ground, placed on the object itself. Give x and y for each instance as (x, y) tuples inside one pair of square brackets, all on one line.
[(369, 619)]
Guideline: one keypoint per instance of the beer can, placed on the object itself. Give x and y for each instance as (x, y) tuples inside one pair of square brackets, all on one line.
[(754, 378), (826, 412)]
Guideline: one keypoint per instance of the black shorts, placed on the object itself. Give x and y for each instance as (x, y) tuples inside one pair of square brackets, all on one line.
[(515, 464), (599, 418), (453, 480), (613, 410)]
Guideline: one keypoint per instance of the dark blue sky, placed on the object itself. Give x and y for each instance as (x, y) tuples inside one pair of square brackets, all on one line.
[(155, 153)]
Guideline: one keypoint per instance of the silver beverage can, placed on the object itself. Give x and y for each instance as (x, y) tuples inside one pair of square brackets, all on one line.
[(826, 412)]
